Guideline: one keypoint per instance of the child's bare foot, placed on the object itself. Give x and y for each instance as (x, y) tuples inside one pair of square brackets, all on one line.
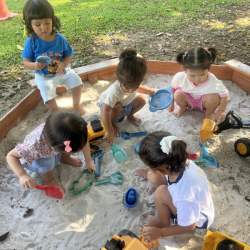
[(79, 110), (143, 173), (178, 111), (134, 120), (150, 188), (66, 159), (53, 183), (152, 221)]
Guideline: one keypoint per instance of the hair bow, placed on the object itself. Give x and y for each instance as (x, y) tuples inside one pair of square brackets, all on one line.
[(166, 143), (67, 148)]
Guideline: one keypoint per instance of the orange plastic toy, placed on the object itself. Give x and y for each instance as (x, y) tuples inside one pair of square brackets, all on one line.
[(4, 11), (146, 243)]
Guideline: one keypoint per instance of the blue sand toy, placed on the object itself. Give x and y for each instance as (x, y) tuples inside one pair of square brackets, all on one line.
[(115, 179), (131, 198), (161, 100), (211, 162), (137, 147), (43, 59), (96, 157), (118, 153), (127, 135)]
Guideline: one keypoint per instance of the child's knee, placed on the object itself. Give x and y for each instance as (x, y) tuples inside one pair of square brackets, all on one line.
[(212, 100), (117, 108)]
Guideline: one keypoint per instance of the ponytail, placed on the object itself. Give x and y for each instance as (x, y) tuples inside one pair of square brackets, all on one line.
[(213, 54), (131, 68), (152, 155)]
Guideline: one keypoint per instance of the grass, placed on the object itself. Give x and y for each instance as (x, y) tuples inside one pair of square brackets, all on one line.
[(92, 27)]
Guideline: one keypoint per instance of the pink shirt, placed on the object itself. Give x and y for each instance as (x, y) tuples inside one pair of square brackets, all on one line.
[(35, 147)]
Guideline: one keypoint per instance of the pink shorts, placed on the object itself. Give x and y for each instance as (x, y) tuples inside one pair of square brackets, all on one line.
[(195, 103)]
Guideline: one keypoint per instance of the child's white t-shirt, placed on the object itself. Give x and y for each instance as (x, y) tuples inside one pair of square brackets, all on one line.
[(115, 94), (191, 197), (211, 86)]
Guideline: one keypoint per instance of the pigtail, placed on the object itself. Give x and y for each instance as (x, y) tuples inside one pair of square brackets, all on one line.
[(178, 156), (213, 54), (180, 58)]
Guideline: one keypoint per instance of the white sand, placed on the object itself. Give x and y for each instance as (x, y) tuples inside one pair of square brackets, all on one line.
[(88, 220)]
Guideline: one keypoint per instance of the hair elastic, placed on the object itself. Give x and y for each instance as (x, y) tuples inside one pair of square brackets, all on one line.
[(185, 53), (67, 148), (209, 52), (166, 143)]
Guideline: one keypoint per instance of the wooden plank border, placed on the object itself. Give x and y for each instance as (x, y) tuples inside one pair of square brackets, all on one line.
[(233, 70)]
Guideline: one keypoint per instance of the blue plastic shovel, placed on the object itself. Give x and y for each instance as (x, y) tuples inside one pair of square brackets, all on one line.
[(96, 157), (211, 162), (127, 135)]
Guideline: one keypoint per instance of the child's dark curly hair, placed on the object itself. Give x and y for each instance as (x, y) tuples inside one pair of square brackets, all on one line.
[(197, 58), (152, 155), (65, 126), (39, 9), (131, 68)]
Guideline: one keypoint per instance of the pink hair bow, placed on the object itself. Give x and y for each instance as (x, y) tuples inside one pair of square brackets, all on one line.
[(67, 148)]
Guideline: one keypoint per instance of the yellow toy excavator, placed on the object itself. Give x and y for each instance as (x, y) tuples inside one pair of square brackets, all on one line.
[(125, 240)]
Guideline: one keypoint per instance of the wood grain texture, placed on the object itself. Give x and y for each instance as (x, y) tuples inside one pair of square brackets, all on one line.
[(19, 112)]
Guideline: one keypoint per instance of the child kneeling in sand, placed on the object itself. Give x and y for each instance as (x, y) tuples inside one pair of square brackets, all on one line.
[(182, 192), (120, 99), (196, 87), (64, 133)]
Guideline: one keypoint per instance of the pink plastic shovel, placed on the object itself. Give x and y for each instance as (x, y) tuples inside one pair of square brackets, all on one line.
[(51, 191)]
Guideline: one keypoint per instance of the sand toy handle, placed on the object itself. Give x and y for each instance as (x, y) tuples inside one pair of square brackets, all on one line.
[(200, 161), (139, 134), (98, 167), (40, 187), (204, 149), (104, 181)]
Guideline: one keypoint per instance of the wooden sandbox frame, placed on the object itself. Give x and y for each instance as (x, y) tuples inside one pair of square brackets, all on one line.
[(233, 70)]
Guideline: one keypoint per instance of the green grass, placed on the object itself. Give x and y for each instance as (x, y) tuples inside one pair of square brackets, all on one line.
[(83, 21)]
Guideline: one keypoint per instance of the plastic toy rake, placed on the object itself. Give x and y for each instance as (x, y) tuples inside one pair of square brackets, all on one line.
[(115, 179)]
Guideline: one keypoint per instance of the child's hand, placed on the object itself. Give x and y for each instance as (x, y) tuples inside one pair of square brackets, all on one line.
[(152, 233), (39, 66), (26, 181), (220, 115), (170, 108), (60, 68), (151, 91), (109, 137), (91, 166)]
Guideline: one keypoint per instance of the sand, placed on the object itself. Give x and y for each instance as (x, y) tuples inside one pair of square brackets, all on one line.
[(88, 220)]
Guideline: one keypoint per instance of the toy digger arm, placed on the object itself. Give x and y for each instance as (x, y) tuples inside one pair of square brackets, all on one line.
[(229, 123)]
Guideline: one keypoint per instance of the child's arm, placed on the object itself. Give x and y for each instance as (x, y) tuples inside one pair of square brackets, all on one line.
[(146, 90), (106, 119), (63, 64), (13, 160), (29, 64), (171, 106), (155, 233), (220, 115), (89, 163)]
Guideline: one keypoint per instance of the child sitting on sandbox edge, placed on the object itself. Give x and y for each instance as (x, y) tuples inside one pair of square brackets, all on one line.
[(64, 133), (182, 193)]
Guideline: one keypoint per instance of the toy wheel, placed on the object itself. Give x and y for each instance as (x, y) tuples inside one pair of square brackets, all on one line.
[(242, 147)]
